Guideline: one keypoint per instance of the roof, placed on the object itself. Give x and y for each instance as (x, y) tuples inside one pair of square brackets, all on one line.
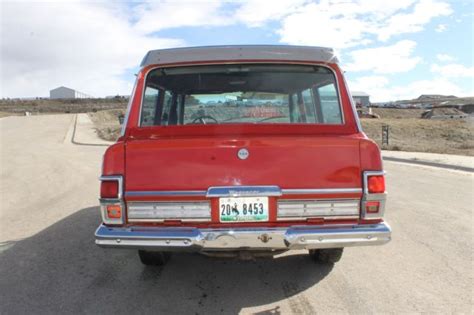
[(239, 52), (62, 88), (357, 93)]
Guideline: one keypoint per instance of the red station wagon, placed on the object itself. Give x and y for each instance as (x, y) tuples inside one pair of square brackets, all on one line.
[(241, 151)]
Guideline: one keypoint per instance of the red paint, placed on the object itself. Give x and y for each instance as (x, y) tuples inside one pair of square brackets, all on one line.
[(195, 157)]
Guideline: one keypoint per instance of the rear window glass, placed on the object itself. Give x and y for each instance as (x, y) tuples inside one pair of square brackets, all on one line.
[(236, 94)]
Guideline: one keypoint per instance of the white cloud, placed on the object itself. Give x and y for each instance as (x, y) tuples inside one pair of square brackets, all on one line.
[(441, 28), (380, 90), (388, 59), (412, 22), (343, 24), (453, 70), (255, 13), (155, 16), (84, 46), (368, 83), (318, 24), (444, 57)]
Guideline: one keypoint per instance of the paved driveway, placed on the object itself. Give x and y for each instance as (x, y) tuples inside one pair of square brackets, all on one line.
[(49, 263)]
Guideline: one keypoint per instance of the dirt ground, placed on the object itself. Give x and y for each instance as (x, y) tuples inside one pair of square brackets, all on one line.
[(107, 123), (407, 132), (424, 135), (42, 106)]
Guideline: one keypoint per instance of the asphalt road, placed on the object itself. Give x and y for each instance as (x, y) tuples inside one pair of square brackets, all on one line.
[(49, 263)]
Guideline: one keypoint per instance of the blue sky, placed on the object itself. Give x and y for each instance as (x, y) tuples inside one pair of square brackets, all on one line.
[(389, 49)]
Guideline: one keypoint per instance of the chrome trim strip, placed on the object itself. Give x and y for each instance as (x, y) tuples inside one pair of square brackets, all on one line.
[(322, 191), (240, 191), (353, 106), (169, 210), (194, 239), (234, 191), (334, 217), (166, 193), (299, 209)]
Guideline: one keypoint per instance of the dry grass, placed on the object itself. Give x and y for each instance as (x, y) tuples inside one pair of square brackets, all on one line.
[(406, 134), (60, 106), (107, 123), (424, 135)]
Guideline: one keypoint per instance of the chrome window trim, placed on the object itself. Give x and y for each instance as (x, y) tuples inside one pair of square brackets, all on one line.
[(129, 108), (354, 109), (210, 63)]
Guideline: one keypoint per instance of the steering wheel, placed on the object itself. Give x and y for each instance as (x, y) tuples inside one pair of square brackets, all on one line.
[(202, 121)]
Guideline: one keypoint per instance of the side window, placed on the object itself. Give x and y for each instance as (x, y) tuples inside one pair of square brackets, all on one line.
[(331, 111), (150, 102), (167, 102), (309, 105)]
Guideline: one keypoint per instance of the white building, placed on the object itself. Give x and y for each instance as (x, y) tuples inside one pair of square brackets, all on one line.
[(63, 92), (361, 99)]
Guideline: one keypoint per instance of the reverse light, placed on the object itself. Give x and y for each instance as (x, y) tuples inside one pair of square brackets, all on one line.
[(376, 184), (114, 211), (372, 206)]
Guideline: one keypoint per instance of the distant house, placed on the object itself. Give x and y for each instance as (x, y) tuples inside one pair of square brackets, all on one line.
[(361, 99), (63, 92)]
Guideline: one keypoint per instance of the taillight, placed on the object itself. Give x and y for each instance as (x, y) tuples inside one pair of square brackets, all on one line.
[(376, 184), (109, 189), (373, 201), (112, 206)]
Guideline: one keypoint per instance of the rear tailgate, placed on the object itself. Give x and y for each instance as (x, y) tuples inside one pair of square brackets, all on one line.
[(309, 162)]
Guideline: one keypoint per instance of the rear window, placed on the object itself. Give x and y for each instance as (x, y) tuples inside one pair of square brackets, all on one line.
[(236, 94)]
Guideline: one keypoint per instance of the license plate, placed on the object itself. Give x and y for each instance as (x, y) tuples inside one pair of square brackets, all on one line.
[(243, 209)]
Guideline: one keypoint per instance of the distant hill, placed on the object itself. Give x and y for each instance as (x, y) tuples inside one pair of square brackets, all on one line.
[(434, 97)]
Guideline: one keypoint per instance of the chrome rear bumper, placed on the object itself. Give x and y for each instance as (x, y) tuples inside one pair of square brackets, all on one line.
[(222, 239)]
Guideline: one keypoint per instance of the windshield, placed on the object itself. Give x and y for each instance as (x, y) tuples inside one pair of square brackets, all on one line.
[(226, 94)]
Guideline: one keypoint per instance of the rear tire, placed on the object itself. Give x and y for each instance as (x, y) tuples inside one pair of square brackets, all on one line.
[(326, 255), (153, 258)]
